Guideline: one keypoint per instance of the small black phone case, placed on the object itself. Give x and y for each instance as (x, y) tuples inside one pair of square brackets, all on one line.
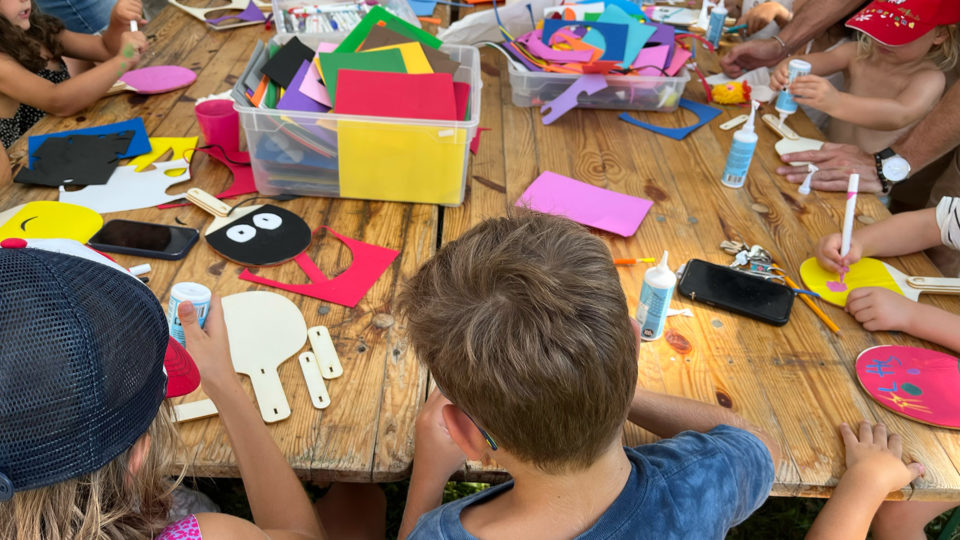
[(736, 291)]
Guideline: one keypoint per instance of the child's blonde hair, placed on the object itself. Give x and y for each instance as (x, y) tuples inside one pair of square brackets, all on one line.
[(107, 504), (945, 55)]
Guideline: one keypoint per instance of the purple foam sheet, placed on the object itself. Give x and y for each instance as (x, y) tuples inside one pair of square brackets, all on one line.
[(251, 14)]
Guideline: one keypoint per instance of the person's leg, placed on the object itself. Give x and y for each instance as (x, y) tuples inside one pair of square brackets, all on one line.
[(905, 520), (84, 16), (353, 511)]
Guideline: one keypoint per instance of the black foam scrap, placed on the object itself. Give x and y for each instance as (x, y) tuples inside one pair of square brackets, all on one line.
[(283, 66), (80, 160)]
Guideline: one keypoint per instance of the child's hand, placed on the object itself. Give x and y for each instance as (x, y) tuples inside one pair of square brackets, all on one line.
[(208, 346), (125, 11), (877, 308), (132, 45), (433, 444), (828, 253), (761, 15), (814, 91), (875, 458), (780, 76)]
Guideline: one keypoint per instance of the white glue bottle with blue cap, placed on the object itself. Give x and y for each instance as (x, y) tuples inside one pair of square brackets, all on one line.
[(785, 102), (658, 284), (741, 152), (718, 16)]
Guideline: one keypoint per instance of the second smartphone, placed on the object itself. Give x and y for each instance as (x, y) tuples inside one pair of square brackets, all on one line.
[(145, 239)]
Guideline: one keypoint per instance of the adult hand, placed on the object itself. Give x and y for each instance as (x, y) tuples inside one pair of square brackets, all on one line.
[(836, 163), (878, 309), (876, 458), (752, 55), (433, 445), (208, 346)]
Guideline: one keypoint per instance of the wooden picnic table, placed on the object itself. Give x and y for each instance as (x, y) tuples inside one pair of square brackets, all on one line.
[(797, 382)]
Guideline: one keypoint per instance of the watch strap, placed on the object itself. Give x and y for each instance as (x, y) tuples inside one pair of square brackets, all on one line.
[(885, 185)]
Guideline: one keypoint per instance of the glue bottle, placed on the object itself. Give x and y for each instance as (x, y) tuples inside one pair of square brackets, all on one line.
[(741, 152), (658, 284), (198, 295), (785, 103), (718, 16)]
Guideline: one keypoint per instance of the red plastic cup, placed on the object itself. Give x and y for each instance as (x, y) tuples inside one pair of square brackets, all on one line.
[(219, 123)]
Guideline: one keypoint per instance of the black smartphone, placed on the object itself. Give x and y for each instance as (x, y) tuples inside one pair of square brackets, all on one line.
[(145, 239), (736, 291)]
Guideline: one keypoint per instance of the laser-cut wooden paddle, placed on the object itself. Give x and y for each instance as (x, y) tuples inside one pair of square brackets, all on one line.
[(869, 272), (790, 141), (254, 235), (153, 80), (235, 5)]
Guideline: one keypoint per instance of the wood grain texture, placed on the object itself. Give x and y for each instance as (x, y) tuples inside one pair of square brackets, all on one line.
[(367, 432), (796, 382)]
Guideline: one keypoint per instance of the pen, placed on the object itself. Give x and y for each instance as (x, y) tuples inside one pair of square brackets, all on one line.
[(736, 28), (634, 261), (804, 291)]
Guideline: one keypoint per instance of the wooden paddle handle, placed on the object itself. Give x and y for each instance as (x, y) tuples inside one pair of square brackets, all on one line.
[(784, 131), (270, 395), (118, 88), (935, 285), (194, 410), (208, 202)]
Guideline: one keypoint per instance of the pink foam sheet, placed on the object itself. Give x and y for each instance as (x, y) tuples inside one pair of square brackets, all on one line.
[(158, 79)]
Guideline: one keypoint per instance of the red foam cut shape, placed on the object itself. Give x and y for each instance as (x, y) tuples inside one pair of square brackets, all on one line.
[(243, 183), (461, 95), (475, 143), (427, 96), (369, 263)]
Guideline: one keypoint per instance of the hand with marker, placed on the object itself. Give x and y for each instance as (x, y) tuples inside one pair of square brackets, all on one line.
[(828, 253), (132, 45), (814, 91), (879, 309), (125, 11)]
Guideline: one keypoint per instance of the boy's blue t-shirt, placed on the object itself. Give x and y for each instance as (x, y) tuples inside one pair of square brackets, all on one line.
[(694, 485)]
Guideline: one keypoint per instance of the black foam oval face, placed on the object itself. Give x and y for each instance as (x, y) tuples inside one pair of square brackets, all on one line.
[(266, 236)]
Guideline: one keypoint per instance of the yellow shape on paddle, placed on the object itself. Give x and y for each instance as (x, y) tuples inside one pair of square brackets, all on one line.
[(864, 273)]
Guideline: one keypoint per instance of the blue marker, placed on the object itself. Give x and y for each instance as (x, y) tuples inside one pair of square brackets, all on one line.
[(741, 152), (785, 103), (718, 16)]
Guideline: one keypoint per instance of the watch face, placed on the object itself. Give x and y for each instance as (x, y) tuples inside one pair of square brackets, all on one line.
[(896, 169)]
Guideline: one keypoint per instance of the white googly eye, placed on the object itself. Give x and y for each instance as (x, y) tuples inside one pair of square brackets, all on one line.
[(241, 233), (267, 221)]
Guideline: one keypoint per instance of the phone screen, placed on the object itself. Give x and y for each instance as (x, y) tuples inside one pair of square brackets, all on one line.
[(130, 236), (737, 291)]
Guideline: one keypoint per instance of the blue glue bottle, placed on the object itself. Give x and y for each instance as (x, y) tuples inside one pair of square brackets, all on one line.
[(658, 285), (718, 15), (741, 152), (785, 103)]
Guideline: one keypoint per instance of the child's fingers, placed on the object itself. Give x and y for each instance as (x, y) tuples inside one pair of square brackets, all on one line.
[(848, 436), (866, 433), (215, 324), (880, 435), (916, 470), (188, 320), (895, 444)]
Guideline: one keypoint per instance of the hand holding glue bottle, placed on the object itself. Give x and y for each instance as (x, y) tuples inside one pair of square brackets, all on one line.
[(658, 285)]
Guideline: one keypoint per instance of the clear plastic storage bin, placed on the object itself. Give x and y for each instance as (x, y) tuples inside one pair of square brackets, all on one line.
[(364, 157), (400, 8), (638, 93)]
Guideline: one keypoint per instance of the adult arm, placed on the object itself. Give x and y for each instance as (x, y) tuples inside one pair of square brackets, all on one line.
[(74, 94), (811, 20), (665, 416), (935, 135), (279, 505)]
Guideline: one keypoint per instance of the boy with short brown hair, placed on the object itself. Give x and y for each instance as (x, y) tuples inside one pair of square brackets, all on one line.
[(524, 326)]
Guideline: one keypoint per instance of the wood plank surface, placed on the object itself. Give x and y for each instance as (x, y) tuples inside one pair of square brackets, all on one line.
[(367, 432), (798, 381)]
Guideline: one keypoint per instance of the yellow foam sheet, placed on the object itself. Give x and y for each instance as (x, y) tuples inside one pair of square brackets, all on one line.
[(392, 162), (413, 57), (51, 219), (864, 273), (162, 145)]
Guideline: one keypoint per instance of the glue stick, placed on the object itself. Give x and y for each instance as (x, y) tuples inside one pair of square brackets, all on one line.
[(718, 16), (785, 103), (658, 284), (196, 294), (741, 152)]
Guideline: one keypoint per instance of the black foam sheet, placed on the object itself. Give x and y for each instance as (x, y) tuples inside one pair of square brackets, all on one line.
[(80, 160)]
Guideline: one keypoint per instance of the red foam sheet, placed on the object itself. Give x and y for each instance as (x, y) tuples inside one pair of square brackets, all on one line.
[(428, 96)]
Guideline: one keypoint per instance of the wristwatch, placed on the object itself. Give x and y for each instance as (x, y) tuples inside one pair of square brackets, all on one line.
[(891, 168)]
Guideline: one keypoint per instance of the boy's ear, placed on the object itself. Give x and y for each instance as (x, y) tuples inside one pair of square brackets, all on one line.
[(138, 455), (464, 432)]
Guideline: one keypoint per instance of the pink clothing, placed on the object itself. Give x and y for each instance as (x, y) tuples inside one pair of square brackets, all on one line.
[(185, 529)]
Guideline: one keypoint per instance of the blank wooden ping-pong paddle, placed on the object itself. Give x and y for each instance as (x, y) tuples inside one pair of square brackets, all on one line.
[(790, 141), (153, 80), (254, 235), (264, 330), (868, 272)]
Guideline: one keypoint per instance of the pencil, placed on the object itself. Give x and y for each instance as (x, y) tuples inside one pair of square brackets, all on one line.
[(634, 261), (806, 300)]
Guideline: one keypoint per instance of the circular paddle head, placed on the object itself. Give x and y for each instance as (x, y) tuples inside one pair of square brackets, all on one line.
[(261, 235), (917, 383), (158, 79), (866, 272)]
